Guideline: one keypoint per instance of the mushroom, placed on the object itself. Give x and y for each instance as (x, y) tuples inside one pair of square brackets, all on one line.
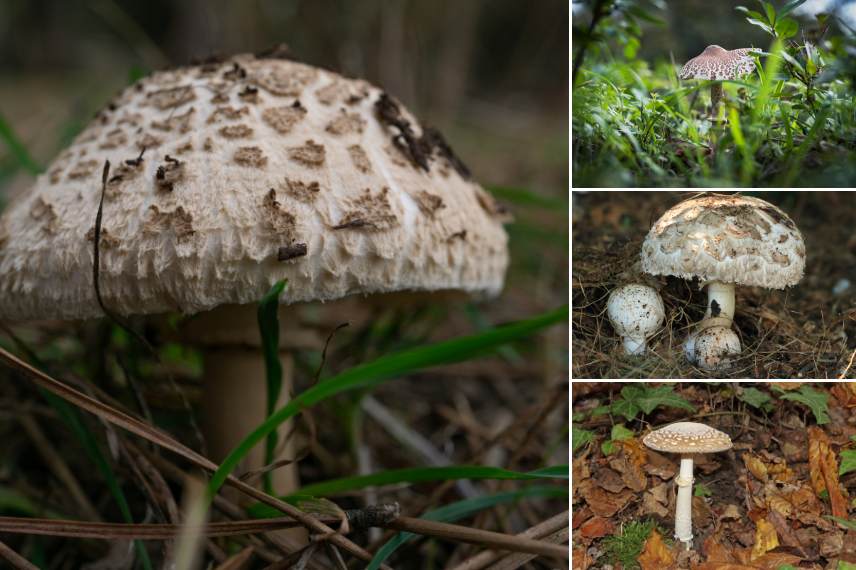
[(718, 63), (712, 347), (228, 177), (686, 438), (725, 240), (636, 313)]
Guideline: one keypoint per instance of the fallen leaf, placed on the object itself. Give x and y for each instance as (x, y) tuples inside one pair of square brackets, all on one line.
[(775, 560), (603, 503), (715, 552), (755, 466), (785, 532), (609, 480), (660, 466), (651, 506), (823, 468), (630, 462), (766, 539), (731, 511), (581, 559), (831, 544), (597, 527), (656, 555), (845, 393), (579, 516), (786, 385), (721, 566)]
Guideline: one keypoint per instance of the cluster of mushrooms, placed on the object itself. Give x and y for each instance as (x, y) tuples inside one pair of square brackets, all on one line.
[(723, 241)]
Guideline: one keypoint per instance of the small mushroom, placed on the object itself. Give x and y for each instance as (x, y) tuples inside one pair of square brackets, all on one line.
[(712, 347), (686, 438), (636, 312), (725, 241), (718, 63)]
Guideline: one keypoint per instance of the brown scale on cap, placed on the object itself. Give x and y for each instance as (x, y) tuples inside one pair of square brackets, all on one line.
[(369, 211), (113, 139), (179, 221), (360, 158), (250, 156), (346, 123), (164, 99), (429, 203), (170, 173), (239, 131), (283, 118), (276, 219), (309, 154), (43, 212), (83, 169), (227, 114), (305, 192), (179, 122)]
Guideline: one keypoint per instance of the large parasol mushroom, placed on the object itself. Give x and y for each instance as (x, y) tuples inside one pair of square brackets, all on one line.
[(718, 63)]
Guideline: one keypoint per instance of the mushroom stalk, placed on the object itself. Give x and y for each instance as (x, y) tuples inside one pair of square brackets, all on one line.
[(715, 97), (683, 511), (633, 345), (723, 295)]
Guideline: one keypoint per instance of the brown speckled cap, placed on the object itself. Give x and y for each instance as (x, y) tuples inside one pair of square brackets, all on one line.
[(719, 63), (252, 170), (733, 239), (688, 437)]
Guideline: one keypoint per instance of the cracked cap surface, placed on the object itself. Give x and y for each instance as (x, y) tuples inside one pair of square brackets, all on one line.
[(688, 437), (253, 169)]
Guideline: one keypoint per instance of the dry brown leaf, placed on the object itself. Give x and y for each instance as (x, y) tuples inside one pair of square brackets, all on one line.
[(766, 539), (780, 505), (845, 393), (775, 560), (731, 511), (660, 466), (609, 480), (656, 555), (823, 468), (603, 503), (597, 527), (630, 463), (581, 559), (786, 385), (755, 466), (716, 553)]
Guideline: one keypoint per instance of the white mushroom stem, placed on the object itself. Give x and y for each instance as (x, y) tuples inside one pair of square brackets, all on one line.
[(723, 294), (634, 345), (684, 509)]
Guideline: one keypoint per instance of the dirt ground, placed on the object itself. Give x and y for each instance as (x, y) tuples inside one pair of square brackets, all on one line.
[(781, 497), (806, 331)]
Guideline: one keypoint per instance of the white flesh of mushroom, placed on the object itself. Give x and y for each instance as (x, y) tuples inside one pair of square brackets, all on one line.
[(636, 313), (683, 509)]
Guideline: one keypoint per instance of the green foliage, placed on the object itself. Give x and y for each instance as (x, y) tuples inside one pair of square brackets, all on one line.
[(268, 316), (791, 123), (619, 432), (843, 565), (636, 398), (580, 437), (848, 461), (851, 525), (383, 369), (756, 399), (816, 401), (626, 547), (701, 490)]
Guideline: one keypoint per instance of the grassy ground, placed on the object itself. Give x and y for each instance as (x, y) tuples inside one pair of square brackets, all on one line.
[(791, 123), (806, 331)]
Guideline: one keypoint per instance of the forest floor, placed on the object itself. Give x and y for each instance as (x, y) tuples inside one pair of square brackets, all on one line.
[(806, 331), (784, 497)]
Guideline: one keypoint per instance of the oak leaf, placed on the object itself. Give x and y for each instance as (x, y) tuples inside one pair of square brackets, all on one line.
[(656, 555), (766, 539)]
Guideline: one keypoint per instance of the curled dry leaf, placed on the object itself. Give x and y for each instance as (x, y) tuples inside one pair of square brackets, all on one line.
[(823, 468), (786, 386), (659, 466), (755, 466), (630, 463), (603, 503), (597, 527), (656, 555), (845, 393), (609, 480), (581, 559), (766, 539)]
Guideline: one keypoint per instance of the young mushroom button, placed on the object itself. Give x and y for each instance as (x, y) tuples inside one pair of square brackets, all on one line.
[(636, 313), (687, 439)]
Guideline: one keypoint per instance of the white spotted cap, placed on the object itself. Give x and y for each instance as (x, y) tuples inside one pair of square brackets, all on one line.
[(719, 63), (688, 437), (733, 239), (255, 169)]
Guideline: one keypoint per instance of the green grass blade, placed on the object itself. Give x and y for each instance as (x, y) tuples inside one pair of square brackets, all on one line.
[(383, 369), (461, 509), (522, 197), (268, 314), (17, 148)]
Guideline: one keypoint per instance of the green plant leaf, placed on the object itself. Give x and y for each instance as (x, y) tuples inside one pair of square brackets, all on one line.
[(702, 490), (461, 509), (383, 369), (751, 13), (760, 24), (816, 401), (851, 525), (268, 316), (756, 399), (637, 398), (17, 148), (527, 198), (790, 6), (843, 565), (848, 461), (580, 437), (787, 28), (619, 432), (771, 13)]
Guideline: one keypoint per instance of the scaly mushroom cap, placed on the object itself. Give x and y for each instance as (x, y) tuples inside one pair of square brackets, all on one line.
[(255, 169), (636, 311), (719, 63), (688, 437), (733, 239)]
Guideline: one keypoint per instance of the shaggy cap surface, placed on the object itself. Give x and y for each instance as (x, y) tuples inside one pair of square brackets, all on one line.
[(718, 63)]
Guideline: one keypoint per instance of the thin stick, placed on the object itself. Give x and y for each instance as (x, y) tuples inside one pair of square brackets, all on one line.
[(477, 536), (15, 559)]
